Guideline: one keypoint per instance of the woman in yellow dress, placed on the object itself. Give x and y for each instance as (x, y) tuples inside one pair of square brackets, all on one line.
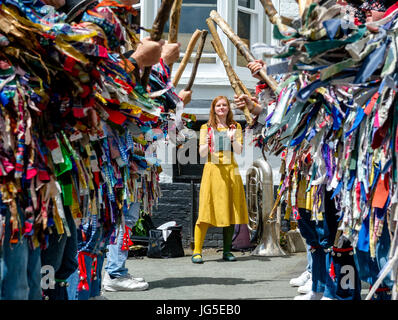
[(222, 201)]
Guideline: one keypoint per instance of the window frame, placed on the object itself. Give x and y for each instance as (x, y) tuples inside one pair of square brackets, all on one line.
[(256, 27), (214, 73)]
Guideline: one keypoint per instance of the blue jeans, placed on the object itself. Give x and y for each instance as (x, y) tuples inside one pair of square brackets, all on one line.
[(61, 255), (320, 236), (116, 257), (369, 267), (94, 284), (309, 259), (92, 245), (20, 267), (94, 232), (314, 235)]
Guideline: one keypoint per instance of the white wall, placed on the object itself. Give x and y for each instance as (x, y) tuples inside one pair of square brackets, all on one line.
[(211, 81), (288, 8)]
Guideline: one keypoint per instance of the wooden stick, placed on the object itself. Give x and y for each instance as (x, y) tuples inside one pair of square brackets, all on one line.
[(272, 14), (242, 47), (157, 31), (188, 52), (241, 89), (236, 84), (219, 48), (174, 24), (303, 4), (287, 21), (197, 60)]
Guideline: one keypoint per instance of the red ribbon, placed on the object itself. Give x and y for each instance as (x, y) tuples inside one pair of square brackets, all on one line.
[(332, 272), (380, 289), (260, 87), (83, 283), (373, 100), (211, 136), (342, 249), (126, 239)]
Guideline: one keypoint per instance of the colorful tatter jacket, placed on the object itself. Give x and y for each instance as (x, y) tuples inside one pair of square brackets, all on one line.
[(161, 86), (333, 123), (71, 125)]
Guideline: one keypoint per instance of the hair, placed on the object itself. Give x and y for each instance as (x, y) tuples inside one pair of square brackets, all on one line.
[(213, 117)]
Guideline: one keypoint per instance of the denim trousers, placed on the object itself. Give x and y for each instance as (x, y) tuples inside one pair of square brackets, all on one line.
[(89, 247), (315, 236), (116, 257), (309, 259), (369, 267), (329, 271), (94, 288), (20, 266), (61, 255)]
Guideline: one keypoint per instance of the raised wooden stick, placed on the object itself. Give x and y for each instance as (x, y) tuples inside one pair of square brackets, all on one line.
[(174, 23), (219, 48), (242, 47), (197, 60), (272, 14), (188, 52), (236, 84), (303, 4), (157, 31)]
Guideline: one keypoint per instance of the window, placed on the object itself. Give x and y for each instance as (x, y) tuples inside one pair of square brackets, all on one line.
[(246, 3), (136, 19), (247, 19), (193, 16), (247, 25)]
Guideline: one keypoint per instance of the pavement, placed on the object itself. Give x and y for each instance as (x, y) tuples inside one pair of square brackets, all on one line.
[(249, 278)]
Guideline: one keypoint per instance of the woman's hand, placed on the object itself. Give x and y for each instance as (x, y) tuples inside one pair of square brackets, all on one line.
[(236, 146), (231, 132), (205, 148)]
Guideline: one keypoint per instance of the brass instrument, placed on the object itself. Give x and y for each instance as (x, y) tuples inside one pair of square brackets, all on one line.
[(260, 200)]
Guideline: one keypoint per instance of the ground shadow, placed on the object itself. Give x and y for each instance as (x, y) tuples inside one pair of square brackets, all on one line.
[(196, 281), (249, 257), (241, 258), (261, 258)]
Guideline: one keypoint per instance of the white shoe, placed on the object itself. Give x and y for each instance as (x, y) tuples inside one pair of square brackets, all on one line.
[(107, 278), (135, 279), (326, 298), (127, 283), (307, 287), (300, 280), (309, 296)]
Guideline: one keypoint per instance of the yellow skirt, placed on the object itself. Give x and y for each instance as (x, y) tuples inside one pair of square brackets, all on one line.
[(222, 199)]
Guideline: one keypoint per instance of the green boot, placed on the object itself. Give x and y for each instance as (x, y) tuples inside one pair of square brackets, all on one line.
[(228, 256), (228, 233)]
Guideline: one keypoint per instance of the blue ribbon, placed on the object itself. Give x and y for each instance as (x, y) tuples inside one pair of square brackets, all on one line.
[(371, 63), (357, 122)]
